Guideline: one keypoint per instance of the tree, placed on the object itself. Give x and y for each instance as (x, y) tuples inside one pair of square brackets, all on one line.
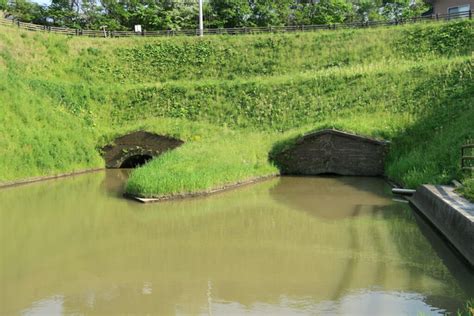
[(229, 13), (367, 10), (331, 11), (3, 5), (396, 10), (94, 17), (175, 14), (152, 14), (303, 13), (63, 13), (270, 13), (26, 11), (324, 12), (183, 16)]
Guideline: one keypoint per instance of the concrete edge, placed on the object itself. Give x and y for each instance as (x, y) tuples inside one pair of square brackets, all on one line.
[(451, 214), (182, 196), (45, 178)]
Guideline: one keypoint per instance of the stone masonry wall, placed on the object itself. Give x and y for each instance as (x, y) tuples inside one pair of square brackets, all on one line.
[(334, 152)]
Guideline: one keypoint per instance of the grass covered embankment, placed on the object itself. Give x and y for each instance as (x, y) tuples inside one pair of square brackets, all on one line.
[(468, 189), (233, 98)]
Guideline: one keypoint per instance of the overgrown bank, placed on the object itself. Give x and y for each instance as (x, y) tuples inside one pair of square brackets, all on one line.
[(231, 99)]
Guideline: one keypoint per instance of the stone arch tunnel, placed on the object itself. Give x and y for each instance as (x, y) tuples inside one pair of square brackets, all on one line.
[(137, 148), (333, 152)]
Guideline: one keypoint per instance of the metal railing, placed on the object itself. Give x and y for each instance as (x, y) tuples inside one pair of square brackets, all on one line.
[(232, 31), (467, 157)]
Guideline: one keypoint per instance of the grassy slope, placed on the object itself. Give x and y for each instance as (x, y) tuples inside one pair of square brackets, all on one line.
[(233, 98), (468, 189)]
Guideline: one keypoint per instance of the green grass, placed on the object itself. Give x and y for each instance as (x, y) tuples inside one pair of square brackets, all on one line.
[(468, 189), (199, 166), (235, 99)]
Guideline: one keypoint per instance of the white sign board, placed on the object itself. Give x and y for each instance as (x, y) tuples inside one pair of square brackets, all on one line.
[(138, 28)]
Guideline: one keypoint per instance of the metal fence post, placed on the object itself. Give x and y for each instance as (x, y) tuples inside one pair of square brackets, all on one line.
[(467, 156), (201, 19)]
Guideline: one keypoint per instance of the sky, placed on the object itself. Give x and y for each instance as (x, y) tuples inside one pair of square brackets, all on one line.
[(42, 1)]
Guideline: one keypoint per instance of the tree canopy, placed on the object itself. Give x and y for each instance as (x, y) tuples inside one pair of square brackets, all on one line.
[(175, 14)]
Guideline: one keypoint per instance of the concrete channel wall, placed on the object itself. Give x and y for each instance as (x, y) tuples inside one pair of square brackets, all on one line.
[(451, 214)]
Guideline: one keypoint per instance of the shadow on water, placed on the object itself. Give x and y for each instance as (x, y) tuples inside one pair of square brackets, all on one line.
[(114, 182), (338, 199), (457, 265)]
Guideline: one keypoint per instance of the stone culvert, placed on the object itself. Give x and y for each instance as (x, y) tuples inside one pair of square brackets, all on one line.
[(333, 152), (137, 148)]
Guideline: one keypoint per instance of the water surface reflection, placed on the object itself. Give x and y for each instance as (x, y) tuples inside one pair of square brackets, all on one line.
[(284, 246)]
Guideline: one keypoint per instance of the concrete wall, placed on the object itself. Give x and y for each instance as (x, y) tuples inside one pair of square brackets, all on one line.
[(331, 151), (137, 143), (451, 214)]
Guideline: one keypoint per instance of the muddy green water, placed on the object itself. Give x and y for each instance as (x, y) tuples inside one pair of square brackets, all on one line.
[(304, 246)]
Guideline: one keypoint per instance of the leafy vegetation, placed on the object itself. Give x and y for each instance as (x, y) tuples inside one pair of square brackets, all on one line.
[(175, 15), (468, 310), (233, 100), (468, 189)]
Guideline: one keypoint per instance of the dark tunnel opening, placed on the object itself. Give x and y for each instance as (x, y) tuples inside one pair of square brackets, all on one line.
[(135, 161)]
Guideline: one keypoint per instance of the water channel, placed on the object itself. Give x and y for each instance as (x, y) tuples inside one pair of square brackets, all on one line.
[(286, 246)]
